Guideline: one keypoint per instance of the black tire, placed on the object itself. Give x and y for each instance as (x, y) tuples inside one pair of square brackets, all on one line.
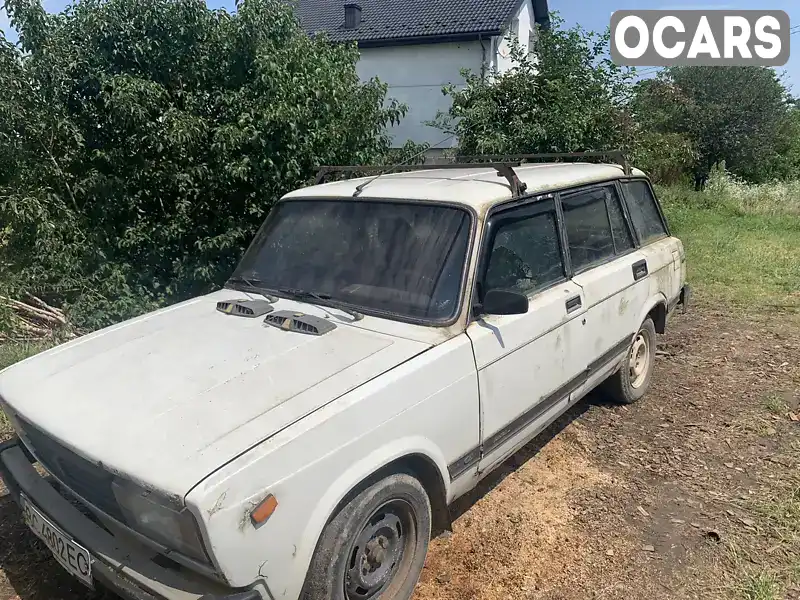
[(625, 386), (375, 546)]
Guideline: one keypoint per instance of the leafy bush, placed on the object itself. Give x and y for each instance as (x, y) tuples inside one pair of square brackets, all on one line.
[(569, 97), (665, 157), (142, 142), (739, 115)]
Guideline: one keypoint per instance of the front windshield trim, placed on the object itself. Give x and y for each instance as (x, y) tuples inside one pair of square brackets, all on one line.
[(473, 220)]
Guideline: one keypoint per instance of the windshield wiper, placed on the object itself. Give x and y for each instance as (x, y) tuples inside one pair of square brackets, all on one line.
[(251, 283), (322, 298)]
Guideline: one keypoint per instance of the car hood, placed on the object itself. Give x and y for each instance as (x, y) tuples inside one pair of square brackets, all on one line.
[(167, 398)]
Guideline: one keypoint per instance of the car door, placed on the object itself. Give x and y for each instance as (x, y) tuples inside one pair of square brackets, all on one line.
[(610, 271), (664, 254), (526, 363)]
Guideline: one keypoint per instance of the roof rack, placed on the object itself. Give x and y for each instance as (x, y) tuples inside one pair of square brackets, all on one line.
[(504, 169), (503, 164), (617, 156)]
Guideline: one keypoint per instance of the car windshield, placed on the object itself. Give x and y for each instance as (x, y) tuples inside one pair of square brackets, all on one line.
[(401, 258)]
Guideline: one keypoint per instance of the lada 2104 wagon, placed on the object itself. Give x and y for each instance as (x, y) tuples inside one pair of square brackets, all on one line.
[(383, 344)]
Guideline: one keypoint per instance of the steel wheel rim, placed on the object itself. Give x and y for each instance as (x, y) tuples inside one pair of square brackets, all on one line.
[(382, 549), (639, 359)]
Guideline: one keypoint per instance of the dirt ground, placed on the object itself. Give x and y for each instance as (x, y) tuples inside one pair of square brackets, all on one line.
[(694, 492)]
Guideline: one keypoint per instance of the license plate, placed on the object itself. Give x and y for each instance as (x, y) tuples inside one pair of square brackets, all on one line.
[(73, 557)]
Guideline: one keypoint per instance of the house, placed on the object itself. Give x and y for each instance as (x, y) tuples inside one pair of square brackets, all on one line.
[(418, 46)]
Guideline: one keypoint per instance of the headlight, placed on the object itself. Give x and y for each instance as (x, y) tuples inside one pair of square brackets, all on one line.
[(154, 517)]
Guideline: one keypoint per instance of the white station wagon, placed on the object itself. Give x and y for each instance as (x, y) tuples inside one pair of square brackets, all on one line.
[(382, 346)]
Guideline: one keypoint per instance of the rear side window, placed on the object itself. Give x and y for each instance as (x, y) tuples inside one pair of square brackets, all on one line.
[(643, 210), (588, 227), (525, 253), (622, 235)]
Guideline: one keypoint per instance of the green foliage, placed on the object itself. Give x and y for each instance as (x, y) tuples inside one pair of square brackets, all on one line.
[(142, 142), (665, 157), (740, 240), (569, 97), (739, 115)]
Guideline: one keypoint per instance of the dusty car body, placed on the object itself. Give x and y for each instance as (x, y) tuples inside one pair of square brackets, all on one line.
[(200, 451)]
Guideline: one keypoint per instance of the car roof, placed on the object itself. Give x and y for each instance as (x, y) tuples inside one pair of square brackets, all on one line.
[(479, 187)]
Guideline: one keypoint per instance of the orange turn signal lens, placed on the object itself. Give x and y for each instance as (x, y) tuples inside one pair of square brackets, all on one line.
[(264, 510)]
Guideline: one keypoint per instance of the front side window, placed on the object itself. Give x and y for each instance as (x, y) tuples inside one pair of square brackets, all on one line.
[(525, 252), (588, 227), (400, 258), (643, 210)]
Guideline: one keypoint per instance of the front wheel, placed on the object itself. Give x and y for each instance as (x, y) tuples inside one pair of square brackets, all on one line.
[(632, 380), (375, 546)]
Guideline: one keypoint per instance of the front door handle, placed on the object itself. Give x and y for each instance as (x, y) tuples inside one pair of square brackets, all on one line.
[(639, 269), (573, 304)]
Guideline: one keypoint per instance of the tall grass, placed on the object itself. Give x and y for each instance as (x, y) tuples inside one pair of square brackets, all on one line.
[(742, 240), (777, 198), (731, 195)]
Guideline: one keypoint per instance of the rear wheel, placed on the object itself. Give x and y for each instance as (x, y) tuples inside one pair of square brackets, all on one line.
[(632, 380), (375, 546)]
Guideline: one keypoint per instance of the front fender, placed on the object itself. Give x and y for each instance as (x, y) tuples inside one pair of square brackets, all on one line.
[(350, 480), (312, 466)]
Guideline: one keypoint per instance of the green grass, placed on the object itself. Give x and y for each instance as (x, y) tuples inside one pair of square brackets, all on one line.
[(779, 520), (775, 404), (13, 352), (737, 254), (760, 586), (784, 517)]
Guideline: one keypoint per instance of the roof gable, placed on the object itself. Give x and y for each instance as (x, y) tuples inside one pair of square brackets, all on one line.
[(395, 20)]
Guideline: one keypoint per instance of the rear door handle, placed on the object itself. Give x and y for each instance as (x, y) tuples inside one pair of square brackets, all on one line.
[(639, 269), (573, 304)]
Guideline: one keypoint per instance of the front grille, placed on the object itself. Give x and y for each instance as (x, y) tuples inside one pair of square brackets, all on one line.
[(88, 481)]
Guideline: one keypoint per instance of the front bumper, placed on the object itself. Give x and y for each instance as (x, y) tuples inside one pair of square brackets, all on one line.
[(128, 571)]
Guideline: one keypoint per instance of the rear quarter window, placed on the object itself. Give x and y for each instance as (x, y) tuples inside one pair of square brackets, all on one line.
[(645, 216)]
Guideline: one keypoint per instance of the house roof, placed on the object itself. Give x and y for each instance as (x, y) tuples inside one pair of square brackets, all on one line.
[(478, 187), (391, 21)]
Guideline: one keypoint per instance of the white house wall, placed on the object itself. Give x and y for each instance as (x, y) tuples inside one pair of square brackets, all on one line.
[(521, 27), (415, 75)]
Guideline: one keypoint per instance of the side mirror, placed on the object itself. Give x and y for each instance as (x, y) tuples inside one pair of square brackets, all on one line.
[(504, 302)]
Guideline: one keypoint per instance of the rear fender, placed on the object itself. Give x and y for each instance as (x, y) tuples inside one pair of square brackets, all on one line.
[(653, 302)]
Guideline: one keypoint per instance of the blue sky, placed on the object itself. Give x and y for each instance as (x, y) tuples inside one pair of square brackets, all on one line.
[(593, 15), (596, 15)]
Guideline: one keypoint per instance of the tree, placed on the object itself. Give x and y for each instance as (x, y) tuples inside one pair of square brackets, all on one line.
[(142, 142), (738, 115), (567, 97)]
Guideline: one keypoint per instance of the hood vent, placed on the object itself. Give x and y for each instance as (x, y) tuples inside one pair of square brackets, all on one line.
[(251, 309), (299, 322)]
